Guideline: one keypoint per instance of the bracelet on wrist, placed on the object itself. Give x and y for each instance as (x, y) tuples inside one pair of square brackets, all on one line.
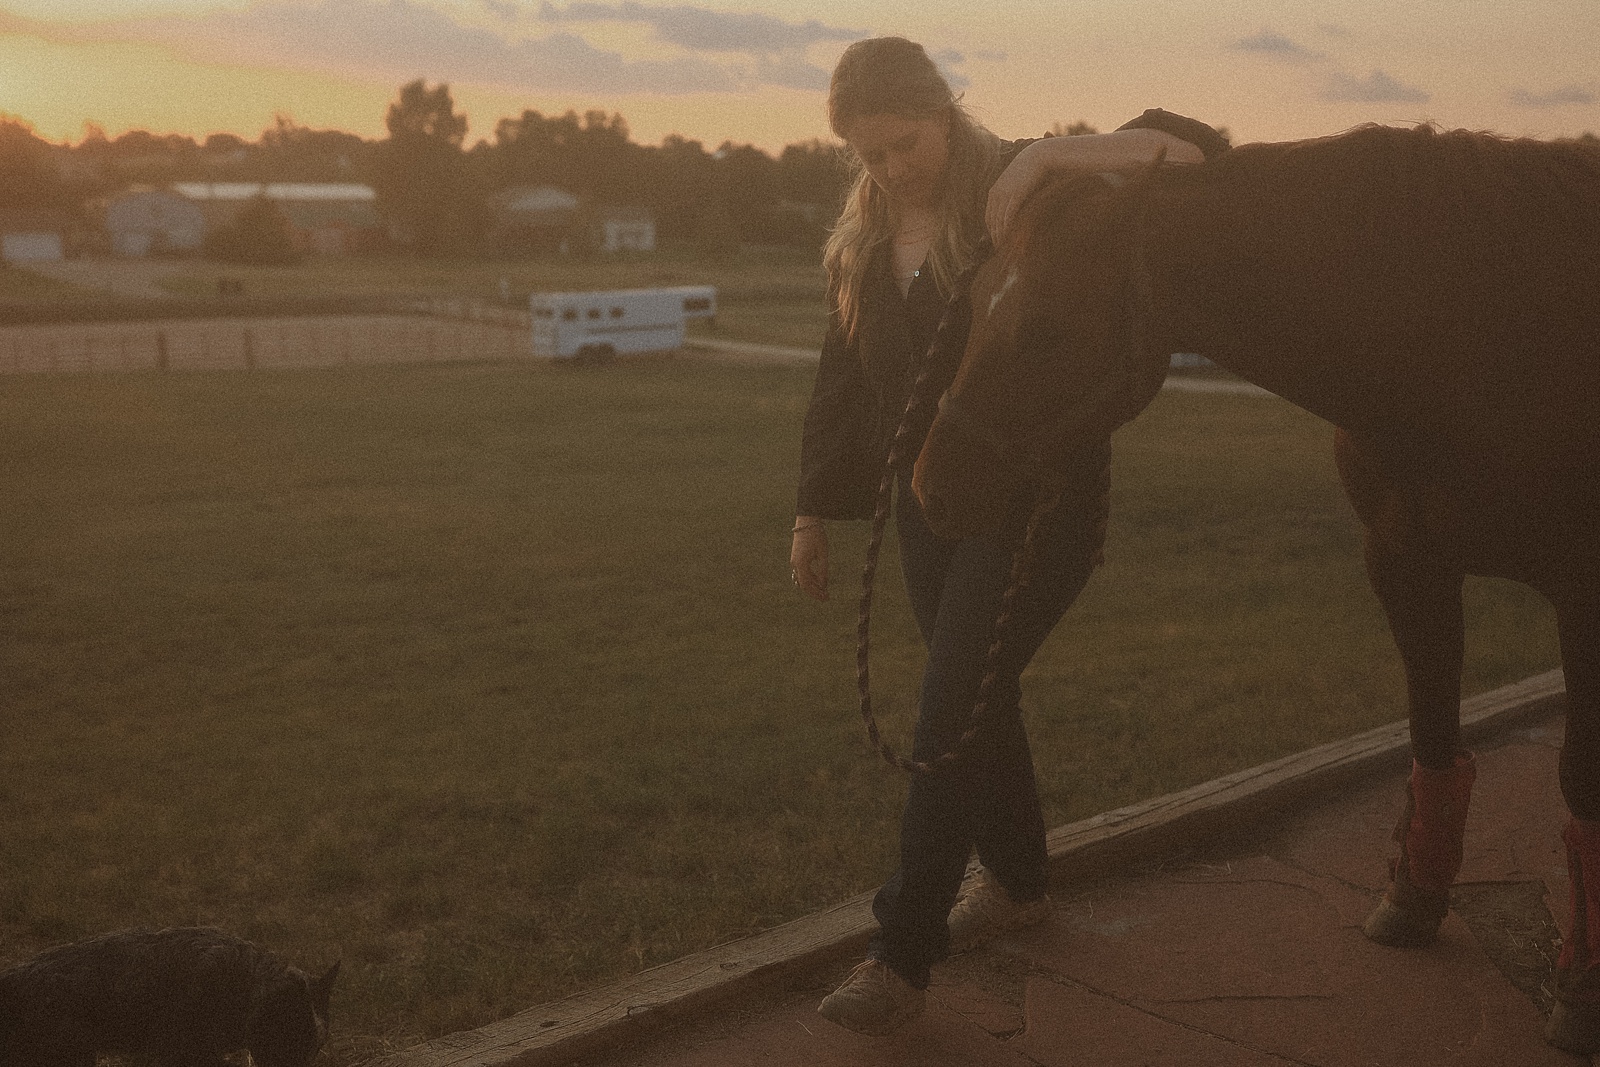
[(806, 525)]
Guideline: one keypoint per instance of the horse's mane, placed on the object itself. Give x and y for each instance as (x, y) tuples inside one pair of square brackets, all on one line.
[(1455, 271), (1408, 178), (1439, 173), (1415, 277), (1035, 224)]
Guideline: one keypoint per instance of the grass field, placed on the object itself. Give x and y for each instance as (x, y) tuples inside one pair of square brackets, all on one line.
[(489, 679), (17, 283), (770, 295)]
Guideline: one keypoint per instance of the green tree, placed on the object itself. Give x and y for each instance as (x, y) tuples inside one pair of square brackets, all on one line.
[(813, 177), (682, 176), (29, 178), (1076, 129), (424, 186), (814, 172), (260, 235), (288, 151), (747, 187), (592, 157)]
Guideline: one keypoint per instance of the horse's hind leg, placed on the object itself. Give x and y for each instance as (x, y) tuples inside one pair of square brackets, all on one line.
[(1421, 595), (1575, 1021)]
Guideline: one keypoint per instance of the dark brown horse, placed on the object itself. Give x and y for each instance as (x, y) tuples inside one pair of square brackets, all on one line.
[(1436, 297)]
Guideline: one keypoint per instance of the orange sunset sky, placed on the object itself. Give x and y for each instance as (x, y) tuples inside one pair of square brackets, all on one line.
[(756, 72)]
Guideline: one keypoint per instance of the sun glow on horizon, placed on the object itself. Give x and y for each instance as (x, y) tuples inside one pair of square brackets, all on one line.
[(59, 88), (710, 71)]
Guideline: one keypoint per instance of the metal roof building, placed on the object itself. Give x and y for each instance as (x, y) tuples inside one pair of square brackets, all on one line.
[(327, 217), (142, 221)]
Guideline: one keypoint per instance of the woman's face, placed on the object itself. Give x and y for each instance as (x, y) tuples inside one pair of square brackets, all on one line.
[(906, 157)]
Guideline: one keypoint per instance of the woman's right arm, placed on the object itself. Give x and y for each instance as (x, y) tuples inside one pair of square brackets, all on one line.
[(838, 476), (1156, 134), (1121, 150)]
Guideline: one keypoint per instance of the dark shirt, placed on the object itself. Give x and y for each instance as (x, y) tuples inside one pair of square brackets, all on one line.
[(862, 385)]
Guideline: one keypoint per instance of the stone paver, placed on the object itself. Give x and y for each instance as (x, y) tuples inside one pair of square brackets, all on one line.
[(793, 1035), (1245, 954), (1069, 1026)]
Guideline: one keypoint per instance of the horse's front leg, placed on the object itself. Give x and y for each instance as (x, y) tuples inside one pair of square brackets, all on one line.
[(1422, 598), (1575, 1021), (1420, 591)]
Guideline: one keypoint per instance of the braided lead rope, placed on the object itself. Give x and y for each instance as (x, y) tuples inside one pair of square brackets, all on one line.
[(1021, 565), (1021, 573), (869, 572)]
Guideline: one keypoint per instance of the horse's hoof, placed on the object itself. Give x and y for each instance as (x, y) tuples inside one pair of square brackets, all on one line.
[(1389, 924), (1574, 1027)]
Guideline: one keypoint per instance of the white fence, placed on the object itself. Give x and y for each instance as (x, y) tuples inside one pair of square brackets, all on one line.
[(246, 344)]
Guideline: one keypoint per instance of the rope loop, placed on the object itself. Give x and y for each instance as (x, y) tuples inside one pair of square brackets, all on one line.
[(1021, 566)]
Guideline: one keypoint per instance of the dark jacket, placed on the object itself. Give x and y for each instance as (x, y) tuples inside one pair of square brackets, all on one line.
[(862, 385)]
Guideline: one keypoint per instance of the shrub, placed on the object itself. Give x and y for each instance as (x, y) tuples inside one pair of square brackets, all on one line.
[(259, 236)]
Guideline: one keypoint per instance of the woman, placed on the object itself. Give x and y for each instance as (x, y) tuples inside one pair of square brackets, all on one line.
[(932, 184)]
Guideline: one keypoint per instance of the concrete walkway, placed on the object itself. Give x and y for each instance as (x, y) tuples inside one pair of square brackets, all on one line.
[(1218, 926), (1242, 954)]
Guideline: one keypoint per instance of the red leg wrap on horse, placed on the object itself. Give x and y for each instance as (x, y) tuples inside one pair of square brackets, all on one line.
[(1439, 800), (1579, 948)]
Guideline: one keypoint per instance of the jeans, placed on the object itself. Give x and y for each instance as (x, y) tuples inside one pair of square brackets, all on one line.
[(988, 798)]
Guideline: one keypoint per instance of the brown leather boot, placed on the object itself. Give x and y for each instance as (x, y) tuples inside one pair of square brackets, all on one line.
[(1429, 834), (1575, 1020)]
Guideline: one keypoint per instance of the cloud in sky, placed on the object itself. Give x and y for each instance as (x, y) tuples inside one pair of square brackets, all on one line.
[(1565, 96), (702, 30), (406, 39), (774, 49), (1276, 45), (947, 61), (1376, 88), (789, 70), (1336, 86)]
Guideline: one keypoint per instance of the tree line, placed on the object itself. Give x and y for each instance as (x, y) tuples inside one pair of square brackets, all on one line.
[(435, 194)]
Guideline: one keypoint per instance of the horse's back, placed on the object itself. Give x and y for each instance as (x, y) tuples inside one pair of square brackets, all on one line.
[(1444, 282)]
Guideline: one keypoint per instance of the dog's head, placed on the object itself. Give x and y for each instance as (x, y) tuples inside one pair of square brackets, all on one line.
[(289, 1021)]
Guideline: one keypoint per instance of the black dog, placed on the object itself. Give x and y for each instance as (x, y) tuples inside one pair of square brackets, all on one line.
[(182, 997)]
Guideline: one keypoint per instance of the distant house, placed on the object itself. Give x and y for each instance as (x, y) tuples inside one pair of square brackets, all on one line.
[(144, 221), (31, 237), (31, 246), (326, 218), (533, 219), (541, 219), (626, 229)]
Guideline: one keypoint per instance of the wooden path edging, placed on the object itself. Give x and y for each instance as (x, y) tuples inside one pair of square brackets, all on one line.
[(563, 1030)]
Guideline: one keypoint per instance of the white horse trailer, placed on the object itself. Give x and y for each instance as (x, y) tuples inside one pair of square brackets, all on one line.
[(616, 322)]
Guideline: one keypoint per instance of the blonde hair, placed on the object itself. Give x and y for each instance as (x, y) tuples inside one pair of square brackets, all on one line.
[(894, 76)]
